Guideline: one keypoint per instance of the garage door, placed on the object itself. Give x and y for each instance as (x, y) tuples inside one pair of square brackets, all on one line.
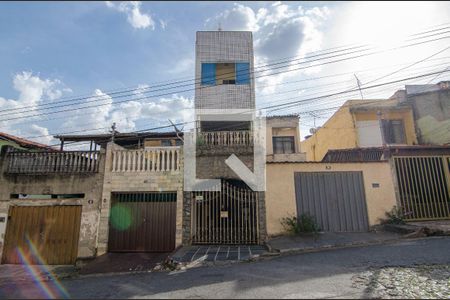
[(42, 235), (142, 222), (335, 199)]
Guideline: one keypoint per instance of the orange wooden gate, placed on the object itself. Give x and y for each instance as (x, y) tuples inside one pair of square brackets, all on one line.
[(42, 235)]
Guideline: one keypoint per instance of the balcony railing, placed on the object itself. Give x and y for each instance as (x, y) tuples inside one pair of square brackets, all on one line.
[(225, 138), (19, 162), (146, 160)]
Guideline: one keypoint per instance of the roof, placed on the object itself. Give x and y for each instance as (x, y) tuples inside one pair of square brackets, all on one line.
[(24, 142), (376, 104), (126, 138), (283, 116), (382, 153)]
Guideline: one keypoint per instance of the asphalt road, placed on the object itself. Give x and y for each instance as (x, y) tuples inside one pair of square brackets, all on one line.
[(312, 275)]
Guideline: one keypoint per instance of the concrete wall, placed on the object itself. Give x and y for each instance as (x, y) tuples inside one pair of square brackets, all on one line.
[(223, 47), (432, 117), (89, 184), (280, 193), (167, 181)]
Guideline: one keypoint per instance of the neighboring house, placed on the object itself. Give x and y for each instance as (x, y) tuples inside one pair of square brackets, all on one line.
[(21, 143), (126, 196), (283, 139), (360, 124), (431, 106)]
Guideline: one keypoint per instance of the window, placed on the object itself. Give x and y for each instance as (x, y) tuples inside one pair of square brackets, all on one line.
[(283, 144), (242, 73), (225, 73), (208, 74), (394, 132), (166, 143)]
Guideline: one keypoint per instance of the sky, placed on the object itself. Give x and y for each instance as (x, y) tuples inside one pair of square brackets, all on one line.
[(54, 52)]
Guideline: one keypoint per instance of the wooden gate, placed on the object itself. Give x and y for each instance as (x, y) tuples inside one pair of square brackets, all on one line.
[(424, 184), (228, 216), (142, 222), (42, 235)]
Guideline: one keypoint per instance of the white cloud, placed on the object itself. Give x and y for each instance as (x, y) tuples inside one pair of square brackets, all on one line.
[(280, 32), (163, 24), (240, 17), (183, 65), (135, 17), (32, 90)]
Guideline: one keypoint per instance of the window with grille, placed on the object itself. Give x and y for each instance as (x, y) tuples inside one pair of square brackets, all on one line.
[(394, 132), (283, 144)]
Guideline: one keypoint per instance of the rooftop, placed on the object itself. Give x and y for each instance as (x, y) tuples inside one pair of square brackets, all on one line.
[(24, 142)]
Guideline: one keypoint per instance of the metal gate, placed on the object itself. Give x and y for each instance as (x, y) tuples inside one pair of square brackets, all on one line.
[(42, 235), (424, 184), (228, 216), (336, 199), (142, 222)]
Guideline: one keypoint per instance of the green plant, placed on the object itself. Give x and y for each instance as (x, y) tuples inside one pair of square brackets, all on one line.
[(395, 216), (200, 140), (304, 224)]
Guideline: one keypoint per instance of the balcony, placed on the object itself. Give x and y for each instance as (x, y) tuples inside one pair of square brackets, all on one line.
[(225, 138), (155, 159), (67, 162)]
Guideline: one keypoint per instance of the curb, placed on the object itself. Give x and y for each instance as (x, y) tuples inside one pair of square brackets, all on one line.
[(283, 252)]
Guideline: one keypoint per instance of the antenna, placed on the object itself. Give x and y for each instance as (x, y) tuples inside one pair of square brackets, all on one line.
[(220, 26), (359, 86)]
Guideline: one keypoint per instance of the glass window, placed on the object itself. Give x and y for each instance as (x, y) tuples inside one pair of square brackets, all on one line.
[(225, 73), (283, 144), (208, 74), (166, 143), (394, 132), (242, 73)]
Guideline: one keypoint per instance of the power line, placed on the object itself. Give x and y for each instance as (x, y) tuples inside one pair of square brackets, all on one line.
[(141, 89), (143, 98)]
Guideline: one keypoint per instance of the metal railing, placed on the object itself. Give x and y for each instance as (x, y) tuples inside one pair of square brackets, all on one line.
[(19, 162), (225, 138), (424, 186), (146, 160)]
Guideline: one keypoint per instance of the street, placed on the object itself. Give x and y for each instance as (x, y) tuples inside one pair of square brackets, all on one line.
[(326, 274)]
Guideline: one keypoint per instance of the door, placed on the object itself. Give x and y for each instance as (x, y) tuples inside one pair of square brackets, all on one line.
[(336, 199), (42, 235), (142, 222)]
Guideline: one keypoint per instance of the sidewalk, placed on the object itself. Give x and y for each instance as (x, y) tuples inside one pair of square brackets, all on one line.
[(30, 273), (324, 240)]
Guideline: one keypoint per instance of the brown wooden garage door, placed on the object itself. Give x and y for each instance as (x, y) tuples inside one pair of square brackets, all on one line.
[(42, 235), (142, 222)]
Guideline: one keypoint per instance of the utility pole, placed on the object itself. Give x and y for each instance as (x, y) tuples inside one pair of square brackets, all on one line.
[(359, 86), (113, 131)]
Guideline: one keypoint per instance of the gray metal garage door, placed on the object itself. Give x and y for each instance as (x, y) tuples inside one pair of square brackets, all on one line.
[(335, 199)]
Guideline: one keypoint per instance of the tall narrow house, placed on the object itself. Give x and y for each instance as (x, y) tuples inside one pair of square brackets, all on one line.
[(224, 103)]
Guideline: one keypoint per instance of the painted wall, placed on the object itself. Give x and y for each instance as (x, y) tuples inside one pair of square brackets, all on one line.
[(432, 117), (280, 192), (340, 131), (337, 133)]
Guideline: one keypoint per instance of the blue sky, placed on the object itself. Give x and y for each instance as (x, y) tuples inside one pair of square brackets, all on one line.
[(51, 51)]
